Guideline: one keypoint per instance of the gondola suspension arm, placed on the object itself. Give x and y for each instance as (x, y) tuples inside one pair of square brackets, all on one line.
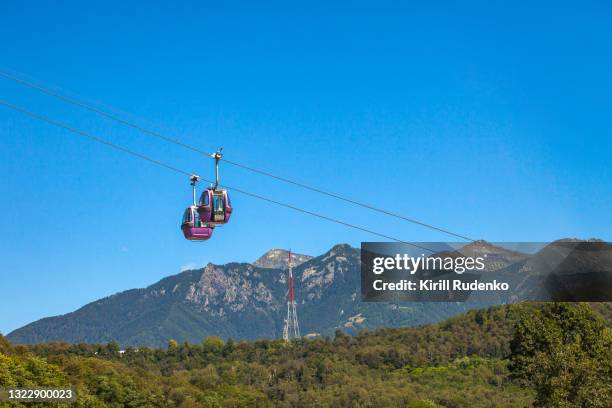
[(217, 156), (194, 179)]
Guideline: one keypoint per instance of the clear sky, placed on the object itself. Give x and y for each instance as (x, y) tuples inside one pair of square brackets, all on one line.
[(492, 119)]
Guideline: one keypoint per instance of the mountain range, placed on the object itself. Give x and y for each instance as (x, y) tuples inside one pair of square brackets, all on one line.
[(248, 301)]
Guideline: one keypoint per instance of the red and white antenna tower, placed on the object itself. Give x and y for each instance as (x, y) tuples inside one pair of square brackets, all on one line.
[(291, 330)]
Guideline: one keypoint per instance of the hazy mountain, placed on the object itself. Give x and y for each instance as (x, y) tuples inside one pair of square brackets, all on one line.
[(496, 257)]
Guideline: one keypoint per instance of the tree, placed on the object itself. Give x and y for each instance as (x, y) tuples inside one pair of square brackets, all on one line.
[(229, 347), (5, 346), (113, 348), (212, 344), (564, 351)]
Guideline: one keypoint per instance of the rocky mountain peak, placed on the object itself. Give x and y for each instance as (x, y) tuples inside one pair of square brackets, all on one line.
[(341, 248), (276, 258), (482, 246)]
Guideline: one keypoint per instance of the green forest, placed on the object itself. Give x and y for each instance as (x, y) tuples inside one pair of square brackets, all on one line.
[(544, 355)]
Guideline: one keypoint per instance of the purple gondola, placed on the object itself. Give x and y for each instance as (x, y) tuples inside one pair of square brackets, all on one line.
[(215, 207), (193, 228)]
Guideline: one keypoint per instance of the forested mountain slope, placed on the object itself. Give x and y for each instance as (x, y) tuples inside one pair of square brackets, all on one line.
[(460, 362)]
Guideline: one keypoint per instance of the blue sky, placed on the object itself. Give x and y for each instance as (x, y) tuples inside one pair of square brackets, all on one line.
[(489, 119)]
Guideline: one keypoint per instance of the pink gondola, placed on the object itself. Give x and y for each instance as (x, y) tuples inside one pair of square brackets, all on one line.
[(193, 227), (215, 207)]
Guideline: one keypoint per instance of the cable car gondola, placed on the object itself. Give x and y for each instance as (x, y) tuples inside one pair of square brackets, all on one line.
[(215, 207), (194, 228)]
